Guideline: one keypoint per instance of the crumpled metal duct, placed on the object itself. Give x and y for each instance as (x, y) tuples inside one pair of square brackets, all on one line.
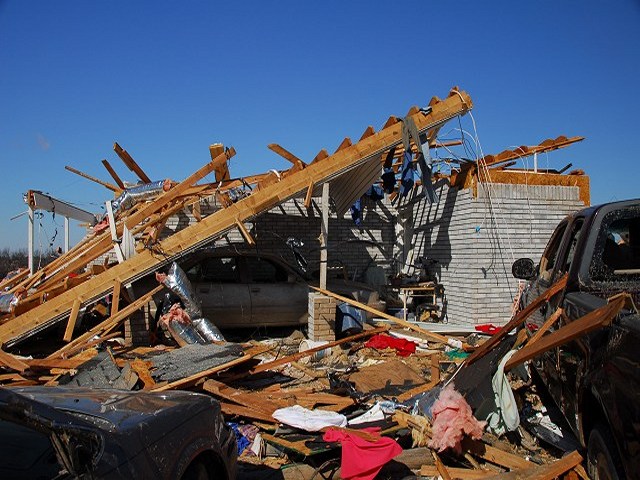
[(7, 302), (133, 195), (178, 282)]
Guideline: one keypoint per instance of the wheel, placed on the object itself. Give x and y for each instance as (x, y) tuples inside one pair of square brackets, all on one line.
[(601, 461), (196, 471)]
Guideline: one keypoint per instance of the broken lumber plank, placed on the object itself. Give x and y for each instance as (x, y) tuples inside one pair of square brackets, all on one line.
[(459, 473), (431, 335), (246, 412), (296, 356), (593, 320), (543, 472), (115, 297), (518, 319), (110, 186), (192, 379), (309, 195), (494, 455), (245, 233), (546, 326), (109, 324), (113, 174), (246, 399), (141, 368), (442, 470), (322, 154), (12, 362), (130, 163), (179, 189), (286, 154), (73, 318)]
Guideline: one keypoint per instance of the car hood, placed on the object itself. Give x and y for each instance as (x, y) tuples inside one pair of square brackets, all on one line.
[(83, 418), (117, 410)]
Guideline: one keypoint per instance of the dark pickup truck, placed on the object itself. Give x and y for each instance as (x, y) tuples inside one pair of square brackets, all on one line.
[(594, 379)]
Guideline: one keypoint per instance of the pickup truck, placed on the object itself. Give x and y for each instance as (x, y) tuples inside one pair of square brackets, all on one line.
[(594, 379)]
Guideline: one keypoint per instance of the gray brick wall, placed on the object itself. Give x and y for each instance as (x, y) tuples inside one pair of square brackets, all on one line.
[(474, 239)]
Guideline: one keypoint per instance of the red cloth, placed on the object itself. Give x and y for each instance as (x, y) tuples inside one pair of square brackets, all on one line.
[(488, 328), (403, 347), (362, 460)]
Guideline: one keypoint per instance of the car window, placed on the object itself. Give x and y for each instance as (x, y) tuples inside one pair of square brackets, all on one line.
[(576, 232), (550, 256), (617, 253), (266, 271), (219, 270)]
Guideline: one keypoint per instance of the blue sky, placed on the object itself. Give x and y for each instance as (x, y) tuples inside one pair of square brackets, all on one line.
[(166, 79)]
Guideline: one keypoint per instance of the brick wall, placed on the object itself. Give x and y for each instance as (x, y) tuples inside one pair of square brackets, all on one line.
[(474, 238)]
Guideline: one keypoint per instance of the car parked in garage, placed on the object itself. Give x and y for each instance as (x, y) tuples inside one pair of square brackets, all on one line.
[(246, 288), (73, 432)]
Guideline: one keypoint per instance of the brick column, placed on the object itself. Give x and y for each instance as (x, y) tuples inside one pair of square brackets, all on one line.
[(322, 317)]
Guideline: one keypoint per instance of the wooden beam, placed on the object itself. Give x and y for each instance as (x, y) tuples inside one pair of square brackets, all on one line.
[(518, 319), (593, 320), (322, 154), (115, 297), (221, 171), (113, 174), (543, 472), (286, 154), (344, 144), (309, 196), (107, 325), (167, 197), (93, 179), (435, 337), (493, 454), (459, 473), (12, 362), (73, 318), (367, 133), (245, 233), (130, 163), (553, 318)]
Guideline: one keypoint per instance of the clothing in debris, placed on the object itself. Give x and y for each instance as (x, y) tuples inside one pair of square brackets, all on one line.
[(403, 347), (361, 459), (309, 420)]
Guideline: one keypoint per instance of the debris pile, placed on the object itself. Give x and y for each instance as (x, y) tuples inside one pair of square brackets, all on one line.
[(393, 399)]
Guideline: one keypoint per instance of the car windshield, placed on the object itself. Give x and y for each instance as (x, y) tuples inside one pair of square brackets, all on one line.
[(617, 251)]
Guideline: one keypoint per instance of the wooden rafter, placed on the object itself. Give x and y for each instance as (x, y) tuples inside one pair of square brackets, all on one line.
[(222, 221), (130, 163)]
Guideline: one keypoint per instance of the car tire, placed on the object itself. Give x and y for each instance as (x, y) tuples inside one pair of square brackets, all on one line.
[(196, 471), (601, 460)]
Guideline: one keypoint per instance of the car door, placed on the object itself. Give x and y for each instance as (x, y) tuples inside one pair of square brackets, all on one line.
[(278, 295), (224, 293), (546, 363)]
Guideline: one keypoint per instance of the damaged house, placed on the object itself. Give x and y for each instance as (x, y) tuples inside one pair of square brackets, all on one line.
[(431, 232)]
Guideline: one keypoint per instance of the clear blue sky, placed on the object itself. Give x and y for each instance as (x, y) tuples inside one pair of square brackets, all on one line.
[(166, 79)]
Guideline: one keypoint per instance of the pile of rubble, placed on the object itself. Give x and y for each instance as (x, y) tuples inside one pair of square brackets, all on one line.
[(394, 397)]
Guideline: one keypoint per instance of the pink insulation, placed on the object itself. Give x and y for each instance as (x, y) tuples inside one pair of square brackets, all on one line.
[(452, 418)]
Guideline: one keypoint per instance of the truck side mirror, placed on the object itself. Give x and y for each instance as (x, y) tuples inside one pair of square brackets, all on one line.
[(524, 269)]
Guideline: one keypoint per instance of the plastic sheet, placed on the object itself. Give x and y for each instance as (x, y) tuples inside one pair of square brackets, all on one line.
[(133, 195), (208, 330)]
